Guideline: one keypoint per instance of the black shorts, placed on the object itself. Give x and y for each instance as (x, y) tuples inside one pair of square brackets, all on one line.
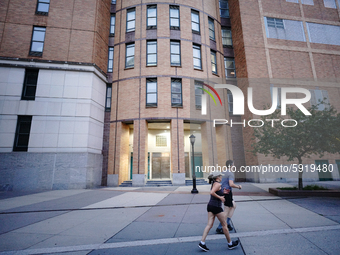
[(214, 209), (228, 199)]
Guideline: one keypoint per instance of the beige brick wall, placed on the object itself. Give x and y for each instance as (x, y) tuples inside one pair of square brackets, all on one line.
[(76, 30)]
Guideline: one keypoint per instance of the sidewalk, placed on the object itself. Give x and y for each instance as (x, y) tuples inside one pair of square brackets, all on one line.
[(164, 220)]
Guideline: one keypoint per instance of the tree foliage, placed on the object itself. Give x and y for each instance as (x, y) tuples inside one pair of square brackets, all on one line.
[(315, 134)]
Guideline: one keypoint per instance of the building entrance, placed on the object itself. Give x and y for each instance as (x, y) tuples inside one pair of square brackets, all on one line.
[(160, 165), (159, 146)]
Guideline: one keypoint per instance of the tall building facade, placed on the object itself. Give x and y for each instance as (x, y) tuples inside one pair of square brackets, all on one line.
[(98, 92), (292, 44), (165, 53)]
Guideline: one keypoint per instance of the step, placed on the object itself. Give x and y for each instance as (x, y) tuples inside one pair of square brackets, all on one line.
[(198, 182), (126, 184), (158, 183)]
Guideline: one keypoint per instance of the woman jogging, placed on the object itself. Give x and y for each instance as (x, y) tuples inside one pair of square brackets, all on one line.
[(214, 209)]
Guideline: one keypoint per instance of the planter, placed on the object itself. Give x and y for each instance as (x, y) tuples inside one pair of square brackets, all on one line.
[(304, 193)]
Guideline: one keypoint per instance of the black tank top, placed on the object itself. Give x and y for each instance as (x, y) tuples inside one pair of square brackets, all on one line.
[(214, 201)]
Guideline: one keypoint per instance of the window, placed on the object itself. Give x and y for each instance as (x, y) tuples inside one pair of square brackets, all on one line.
[(130, 20), (151, 92), (198, 94), (337, 162), (110, 60), (176, 92), (175, 53), (108, 97), (329, 4), (113, 1), (229, 64), (22, 133), (318, 96), (307, 2), (321, 33), (151, 53), (224, 9), (195, 21), (213, 62), (30, 84), (151, 17), (112, 25), (38, 39), (230, 101), (323, 175), (293, 1), (161, 141), (197, 56), (278, 95), (284, 29), (130, 55), (174, 17), (42, 7), (226, 37), (211, 29)]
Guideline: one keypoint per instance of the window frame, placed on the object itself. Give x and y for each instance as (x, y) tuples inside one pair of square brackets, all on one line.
[(108, 98), (130, 10), (148, 43), (230, 101), (173, 81), (226, 68), (37, 53), (193, 12), (174, 7), (329, 4), (227, 38), (148, 81), (197, 47), (110, 60), (173, 42), (221, 9), (198, 94), (40, 3), (128, 45), (26, 85), (153, 6), (112, 24), (213, 63), (19, 133), (211, 25)]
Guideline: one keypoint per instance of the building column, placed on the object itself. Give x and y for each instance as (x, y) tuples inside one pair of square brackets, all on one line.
[(140, 152), (177, 152), (223, 144), (209, 153), (118, 165)]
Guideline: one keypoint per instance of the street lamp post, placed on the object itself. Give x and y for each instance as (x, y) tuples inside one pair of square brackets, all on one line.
[(192, 141)]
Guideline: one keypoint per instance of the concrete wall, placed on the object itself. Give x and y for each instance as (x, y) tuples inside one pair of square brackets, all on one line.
[(45, 171), (66, 136)]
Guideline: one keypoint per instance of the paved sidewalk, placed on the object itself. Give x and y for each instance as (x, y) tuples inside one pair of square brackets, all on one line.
[(164, 220)]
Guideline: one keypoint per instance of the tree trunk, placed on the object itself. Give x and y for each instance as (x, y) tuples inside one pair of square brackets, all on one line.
[(300, 185)]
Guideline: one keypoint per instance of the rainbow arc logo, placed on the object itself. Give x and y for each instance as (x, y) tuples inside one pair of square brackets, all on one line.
[(204, 98)]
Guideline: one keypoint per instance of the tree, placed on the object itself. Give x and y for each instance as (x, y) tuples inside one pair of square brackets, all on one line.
[(315, 134)]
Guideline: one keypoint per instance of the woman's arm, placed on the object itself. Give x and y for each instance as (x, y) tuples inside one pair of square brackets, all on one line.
[(216, 187)]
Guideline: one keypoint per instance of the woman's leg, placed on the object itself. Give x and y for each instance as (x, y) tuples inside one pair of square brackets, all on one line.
[(211, 219), (221, 218)]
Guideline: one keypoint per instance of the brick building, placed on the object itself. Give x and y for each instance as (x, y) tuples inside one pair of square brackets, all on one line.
[(98, 92)]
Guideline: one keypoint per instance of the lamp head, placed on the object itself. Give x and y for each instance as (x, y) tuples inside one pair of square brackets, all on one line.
[(192, 139)]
